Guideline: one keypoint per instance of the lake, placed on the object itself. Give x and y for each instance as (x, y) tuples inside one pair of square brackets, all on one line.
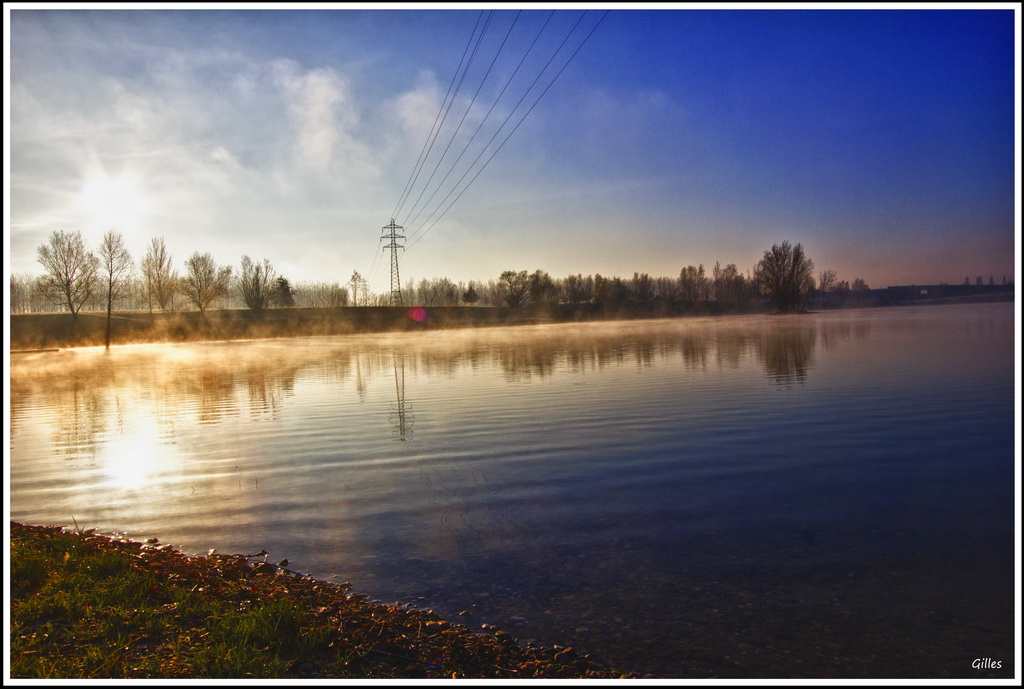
[(822, 495)]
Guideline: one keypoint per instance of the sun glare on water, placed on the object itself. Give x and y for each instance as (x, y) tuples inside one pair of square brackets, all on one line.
[(137, 462)]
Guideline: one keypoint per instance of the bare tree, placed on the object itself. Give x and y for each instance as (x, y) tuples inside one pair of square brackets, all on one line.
[(71, 270), (204, 280), (666, 288), (22, 288), (256, 283), (693, 284), (360, 289), (728, 284), (434, 292), (542, 289), (160, 277), (826, 280), (117, 266), (786, 275), (577, 289), (642, 286), (514, 287), (321, 295), (859, 285)]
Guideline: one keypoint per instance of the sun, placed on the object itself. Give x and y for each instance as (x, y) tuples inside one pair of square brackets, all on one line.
[(113, 202)]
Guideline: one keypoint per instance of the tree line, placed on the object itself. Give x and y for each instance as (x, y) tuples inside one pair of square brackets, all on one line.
[(784, 277), (76, 278)]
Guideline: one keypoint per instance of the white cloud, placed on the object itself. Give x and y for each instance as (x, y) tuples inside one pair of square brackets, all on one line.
[(324, 119), (417, 110)]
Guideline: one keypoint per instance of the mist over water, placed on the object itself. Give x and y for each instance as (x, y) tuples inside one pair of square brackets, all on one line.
[(822, 495)]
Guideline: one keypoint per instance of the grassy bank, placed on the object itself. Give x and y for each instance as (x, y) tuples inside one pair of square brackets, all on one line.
[(90, 606), (37, 331)]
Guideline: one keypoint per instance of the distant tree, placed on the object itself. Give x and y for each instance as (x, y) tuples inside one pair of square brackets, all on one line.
[(257, 284), (470, 296), (360, 289), (491, 292), (159, 275), (860, 286), (447, 292), (602, 287), (321, 295), (204, 280), (693, 284), (618, 290), (116, 265), (284, 295), (666, 288), (435, 292), (826, 280), (71, 270), (542, 289), (727, 284), (978, 281), (786, 275), (576, 289), (514, 286), (642, 286), (22, 287)]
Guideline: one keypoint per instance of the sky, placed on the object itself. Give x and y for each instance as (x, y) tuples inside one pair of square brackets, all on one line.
[(583, 139)]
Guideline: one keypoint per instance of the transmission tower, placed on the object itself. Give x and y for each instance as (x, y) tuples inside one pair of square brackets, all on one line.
[(391, 232)]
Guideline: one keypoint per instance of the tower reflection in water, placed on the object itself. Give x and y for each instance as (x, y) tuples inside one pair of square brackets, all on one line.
[(401, 422)]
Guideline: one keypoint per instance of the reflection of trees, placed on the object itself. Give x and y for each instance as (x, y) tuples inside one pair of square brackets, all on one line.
[(265, 394), (694, 349), (219, 382), (80, 420), (521, 360), (787, 353), (213, 392), (834, 334), (172, 380), (730, 347)]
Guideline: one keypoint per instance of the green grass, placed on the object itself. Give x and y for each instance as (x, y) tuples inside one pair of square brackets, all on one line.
[(107, 615), (87, 606)]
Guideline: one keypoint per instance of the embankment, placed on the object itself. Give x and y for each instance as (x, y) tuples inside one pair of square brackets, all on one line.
[(37, 331)]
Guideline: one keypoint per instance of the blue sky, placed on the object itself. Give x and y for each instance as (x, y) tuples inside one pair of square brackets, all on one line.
[(882, 140)]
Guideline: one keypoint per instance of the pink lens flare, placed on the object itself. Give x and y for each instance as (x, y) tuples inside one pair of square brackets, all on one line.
[(418, 314)]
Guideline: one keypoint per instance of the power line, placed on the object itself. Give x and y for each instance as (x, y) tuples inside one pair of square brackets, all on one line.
[(435, 129), (463, 120), (420, 232), (446, 106), (502, 126), (486, 117), (472, 49)]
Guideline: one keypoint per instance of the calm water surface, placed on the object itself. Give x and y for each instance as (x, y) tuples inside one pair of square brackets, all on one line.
[(820, 495)]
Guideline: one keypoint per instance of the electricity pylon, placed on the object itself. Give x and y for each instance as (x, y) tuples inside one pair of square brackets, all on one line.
[(391, 232)]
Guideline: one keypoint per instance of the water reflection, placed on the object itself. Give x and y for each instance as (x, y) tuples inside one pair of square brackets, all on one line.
[(787, 353), (400, 421), (661, 473), (228, 381)]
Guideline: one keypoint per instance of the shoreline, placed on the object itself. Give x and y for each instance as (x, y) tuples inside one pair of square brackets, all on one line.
[(47, 332), (40, 332), (170, 610)]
